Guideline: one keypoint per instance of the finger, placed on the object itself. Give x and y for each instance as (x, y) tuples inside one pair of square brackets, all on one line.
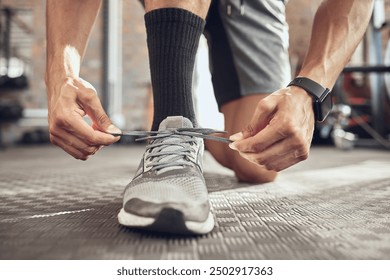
[(72, 123), (94, 109), (279, 156), (270, 135), (296, 145), (67, 148), (77, 126), (71, 140), (286, 161), (264, 111)]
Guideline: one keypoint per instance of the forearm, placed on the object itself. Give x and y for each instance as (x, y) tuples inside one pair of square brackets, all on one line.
[(337, 30), (69, 24)]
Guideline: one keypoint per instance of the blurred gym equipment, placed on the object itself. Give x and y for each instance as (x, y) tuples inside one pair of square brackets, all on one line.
[(363, 121), (15, 43), (13, 32)]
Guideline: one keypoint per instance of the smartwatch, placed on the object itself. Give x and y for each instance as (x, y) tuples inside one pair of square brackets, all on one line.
[(322, 102)]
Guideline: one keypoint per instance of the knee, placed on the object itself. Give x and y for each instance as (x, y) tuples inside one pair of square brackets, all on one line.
[(249, 172), (244, 170)]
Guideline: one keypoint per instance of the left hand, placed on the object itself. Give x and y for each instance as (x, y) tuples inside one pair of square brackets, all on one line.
[(280, 132)]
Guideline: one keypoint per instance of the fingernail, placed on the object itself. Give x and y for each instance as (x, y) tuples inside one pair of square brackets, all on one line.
[(236, 137), (232, 146), (113, 129)]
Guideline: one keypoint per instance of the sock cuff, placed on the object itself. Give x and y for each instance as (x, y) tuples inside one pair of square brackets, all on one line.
[(171, 15)]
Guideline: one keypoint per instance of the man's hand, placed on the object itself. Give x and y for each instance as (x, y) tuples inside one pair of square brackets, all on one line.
[(68, 105), (280, 132)]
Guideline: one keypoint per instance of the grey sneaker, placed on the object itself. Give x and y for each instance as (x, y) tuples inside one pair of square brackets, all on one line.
[(168, 192)]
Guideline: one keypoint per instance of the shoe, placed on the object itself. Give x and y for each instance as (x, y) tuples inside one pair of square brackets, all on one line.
[(168, 193)]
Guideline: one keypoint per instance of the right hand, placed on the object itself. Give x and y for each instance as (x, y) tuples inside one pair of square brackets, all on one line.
[(280, 132), (69, 102)]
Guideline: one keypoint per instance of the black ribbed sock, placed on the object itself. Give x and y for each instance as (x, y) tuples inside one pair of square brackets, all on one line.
[(173, 38)]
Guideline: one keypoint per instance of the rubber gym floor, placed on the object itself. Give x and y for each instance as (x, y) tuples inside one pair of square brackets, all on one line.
[(335, 205)]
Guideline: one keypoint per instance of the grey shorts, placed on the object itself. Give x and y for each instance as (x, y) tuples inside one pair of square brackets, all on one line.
[(248, 44)]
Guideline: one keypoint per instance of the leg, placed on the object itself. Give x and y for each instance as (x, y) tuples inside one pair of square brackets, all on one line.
[(242, 66), (197, 7), (173, 31), (237, 113), (169, 193)]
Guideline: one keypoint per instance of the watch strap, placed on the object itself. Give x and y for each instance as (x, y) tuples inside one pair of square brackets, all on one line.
[(313, 88)]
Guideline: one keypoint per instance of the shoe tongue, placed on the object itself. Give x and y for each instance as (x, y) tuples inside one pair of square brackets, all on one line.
[(171, 123), (175, 122)]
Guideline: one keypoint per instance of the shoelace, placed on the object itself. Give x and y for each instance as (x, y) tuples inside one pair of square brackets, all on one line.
[(160, 157)]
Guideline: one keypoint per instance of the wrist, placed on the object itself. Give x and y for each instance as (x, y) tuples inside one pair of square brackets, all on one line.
[(55, 81), (321, 96), (301, 93), (62, 65), (53, 77), (317, 73)]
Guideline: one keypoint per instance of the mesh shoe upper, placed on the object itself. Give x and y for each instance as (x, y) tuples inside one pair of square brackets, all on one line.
[(170, 175)]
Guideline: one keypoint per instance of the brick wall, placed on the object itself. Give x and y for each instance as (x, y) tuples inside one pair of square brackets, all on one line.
[(35, 95), (136, 77), (300, 14)]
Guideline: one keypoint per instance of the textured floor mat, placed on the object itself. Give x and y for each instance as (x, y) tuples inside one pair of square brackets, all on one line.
[(52, 210)]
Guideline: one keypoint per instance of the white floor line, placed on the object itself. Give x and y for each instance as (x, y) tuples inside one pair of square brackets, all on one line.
[(10, 220)]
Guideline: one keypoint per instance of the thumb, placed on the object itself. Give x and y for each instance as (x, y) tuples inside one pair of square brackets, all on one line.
[(247, 132), (101, 121), (260, 119), (94, 109), (113, 129)]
